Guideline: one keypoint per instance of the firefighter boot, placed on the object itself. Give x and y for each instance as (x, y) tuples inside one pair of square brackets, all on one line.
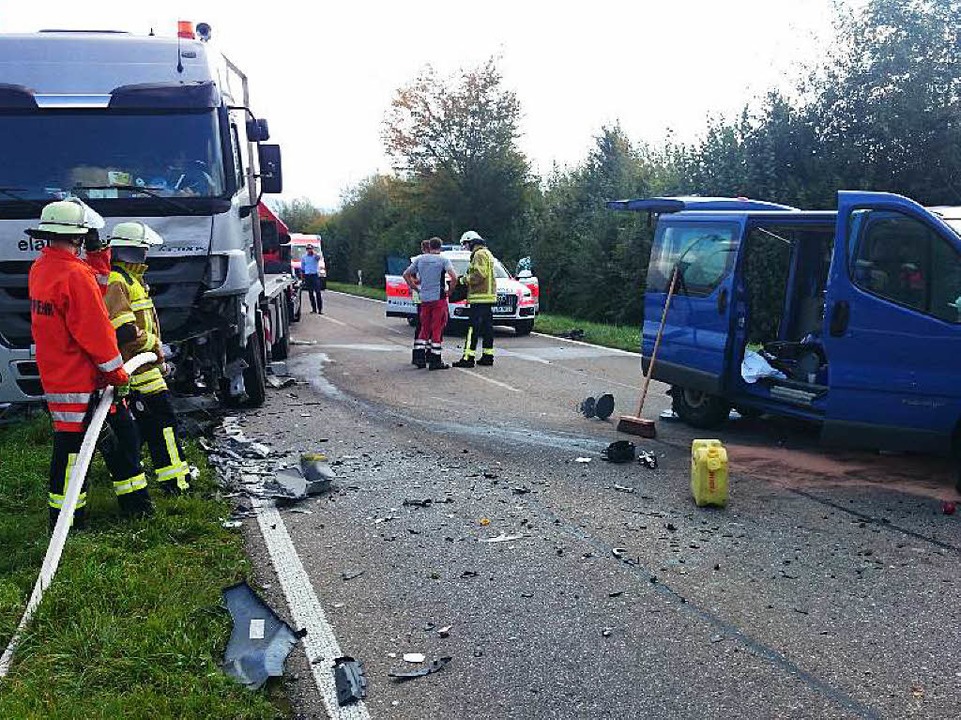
[(486, 359), (464, 362), (419, 358), (435, 362), (135, 504)]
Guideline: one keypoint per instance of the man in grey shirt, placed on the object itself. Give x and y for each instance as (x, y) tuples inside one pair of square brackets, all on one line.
[(426, 275)]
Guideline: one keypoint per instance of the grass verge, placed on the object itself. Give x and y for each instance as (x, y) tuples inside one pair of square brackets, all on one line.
[(613, 336), (132, 626), (362, 290)]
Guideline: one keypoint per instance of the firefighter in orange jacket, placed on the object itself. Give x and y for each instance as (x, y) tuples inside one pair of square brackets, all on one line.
[(77, 355), (133, 315)]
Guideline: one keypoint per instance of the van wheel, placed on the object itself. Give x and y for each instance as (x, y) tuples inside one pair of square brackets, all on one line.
[(698, 409)]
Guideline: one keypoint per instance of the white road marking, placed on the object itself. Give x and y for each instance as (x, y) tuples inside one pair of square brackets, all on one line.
[(359, 297), (366, 347), (616, 351), (306, 611), (487, 379), (523, 356), (330, 319)]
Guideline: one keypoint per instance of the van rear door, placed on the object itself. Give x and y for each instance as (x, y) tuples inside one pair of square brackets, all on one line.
[(892, 327), (696, 343)]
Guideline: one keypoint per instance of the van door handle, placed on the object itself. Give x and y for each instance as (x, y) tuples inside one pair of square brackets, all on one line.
[(840, 315), (722, 301)]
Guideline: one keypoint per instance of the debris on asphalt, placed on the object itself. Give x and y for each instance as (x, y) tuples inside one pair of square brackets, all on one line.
[(435, 665), (606, 632), (279, 383), (351, 574), (484, 521), (426, 502), (572, 334), (444, 632), (259, 642), (295, 341), (619, 552), (948, 507), (624, 488), (669, 415), (619, 451), (604, 407), (520, 490), (350, 679), (582, 460), (616, 593), (414, 657), (469, 574), (317, 471), (647, 458), (588, 407), (231, 524), (503, 538)]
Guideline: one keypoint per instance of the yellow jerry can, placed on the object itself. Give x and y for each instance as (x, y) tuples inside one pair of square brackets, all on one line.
[(709, 473)]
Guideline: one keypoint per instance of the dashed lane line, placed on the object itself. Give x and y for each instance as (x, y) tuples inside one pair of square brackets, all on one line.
[(488, 380), (320, 643)]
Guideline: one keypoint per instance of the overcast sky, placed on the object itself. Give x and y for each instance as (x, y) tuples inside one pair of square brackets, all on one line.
[(323, 74)]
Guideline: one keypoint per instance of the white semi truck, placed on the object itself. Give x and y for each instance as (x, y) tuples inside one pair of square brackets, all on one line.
[(148, 128)]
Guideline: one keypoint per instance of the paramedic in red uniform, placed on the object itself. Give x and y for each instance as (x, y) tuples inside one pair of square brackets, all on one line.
[(427, 274), (77, 354)]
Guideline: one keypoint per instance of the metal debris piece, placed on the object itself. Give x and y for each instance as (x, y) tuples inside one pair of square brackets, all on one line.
[(606, 632), (301, 511), (604, 407), (426, 502), (624, 488), (647, 458), (259, 642), (351, 574), (350, 679), (414, 657), (520, 490), (582, 460), (278, 383), (260, 449), (435, 665), (619, 552), (279, 368), (668, 415), (503, 538), (317, 470), (444, 632)]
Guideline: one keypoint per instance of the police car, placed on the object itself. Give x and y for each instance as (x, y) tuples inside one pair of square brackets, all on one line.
[(517, 299)]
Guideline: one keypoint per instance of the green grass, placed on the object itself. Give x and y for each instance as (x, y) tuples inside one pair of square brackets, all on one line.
[(132, 626), (362, 290), (614, 336)]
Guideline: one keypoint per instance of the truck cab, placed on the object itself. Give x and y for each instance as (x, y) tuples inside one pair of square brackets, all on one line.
[(851, 319), (157, 129)]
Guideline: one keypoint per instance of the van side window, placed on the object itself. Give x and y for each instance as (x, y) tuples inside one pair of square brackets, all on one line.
[(705, 253), (901, 259)]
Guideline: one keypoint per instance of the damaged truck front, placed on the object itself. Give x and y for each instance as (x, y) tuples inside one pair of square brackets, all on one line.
[(156, 129)]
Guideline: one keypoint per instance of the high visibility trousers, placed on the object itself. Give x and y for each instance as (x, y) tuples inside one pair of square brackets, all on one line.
[(482, 326), (158, 428), (119, 445)]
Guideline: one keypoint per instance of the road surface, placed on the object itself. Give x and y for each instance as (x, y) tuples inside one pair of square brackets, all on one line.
[(827, 589)]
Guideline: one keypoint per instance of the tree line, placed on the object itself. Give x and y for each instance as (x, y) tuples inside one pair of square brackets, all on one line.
[(880, 111)]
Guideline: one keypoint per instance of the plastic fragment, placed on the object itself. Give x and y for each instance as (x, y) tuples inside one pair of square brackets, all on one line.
[(435, 665), (350, 679)]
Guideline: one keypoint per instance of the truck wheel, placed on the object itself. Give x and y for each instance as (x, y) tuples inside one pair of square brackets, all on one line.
[(524, 327), (281, 349), (698, 409), (255, 379), (293, 314)]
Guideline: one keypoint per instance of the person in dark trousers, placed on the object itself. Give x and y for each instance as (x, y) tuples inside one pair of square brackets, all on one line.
[(134, 318), (481, 296), (77, 355), (427, 274), (313, 282)]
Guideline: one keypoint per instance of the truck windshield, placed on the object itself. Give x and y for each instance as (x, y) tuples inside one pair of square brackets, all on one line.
[(705, 252), (54, 153)]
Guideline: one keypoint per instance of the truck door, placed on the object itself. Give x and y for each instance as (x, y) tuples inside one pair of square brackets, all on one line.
[(695, 347), (892, 328)]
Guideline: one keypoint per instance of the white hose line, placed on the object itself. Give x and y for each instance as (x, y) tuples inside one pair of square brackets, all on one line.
[(59, 537)]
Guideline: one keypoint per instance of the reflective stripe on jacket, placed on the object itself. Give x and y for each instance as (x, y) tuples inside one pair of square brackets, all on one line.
[(128, 303), (75, 342), (481, 285)]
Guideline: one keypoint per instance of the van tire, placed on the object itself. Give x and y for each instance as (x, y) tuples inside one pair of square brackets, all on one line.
[(698, 409)]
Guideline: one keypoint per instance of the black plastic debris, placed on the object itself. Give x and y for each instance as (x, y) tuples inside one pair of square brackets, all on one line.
[(621, 451), (573, 334), (647, 458), (426, 502), (351, 574), (605, 406), (435, 665), (588, 407), (259, 642), (350, 679)]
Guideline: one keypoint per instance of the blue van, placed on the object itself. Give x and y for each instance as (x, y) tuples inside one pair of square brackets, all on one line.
[(851, 319)]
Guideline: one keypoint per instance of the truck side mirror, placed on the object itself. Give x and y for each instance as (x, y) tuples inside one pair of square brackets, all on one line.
[(271, 178), (257, 130)]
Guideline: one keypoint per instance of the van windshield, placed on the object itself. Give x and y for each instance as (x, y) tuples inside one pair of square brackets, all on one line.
[(704, 252), (50, 154)]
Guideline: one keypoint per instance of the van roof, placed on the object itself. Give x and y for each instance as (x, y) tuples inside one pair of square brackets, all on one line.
[(686, 203)]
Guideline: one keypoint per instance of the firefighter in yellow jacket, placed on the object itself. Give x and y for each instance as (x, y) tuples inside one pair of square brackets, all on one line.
[(134, 318), (481, 296)]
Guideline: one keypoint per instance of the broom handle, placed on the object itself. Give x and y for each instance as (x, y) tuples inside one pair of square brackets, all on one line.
[(657, 343)]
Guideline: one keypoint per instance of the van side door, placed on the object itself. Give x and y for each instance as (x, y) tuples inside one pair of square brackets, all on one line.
[(892, 327), (696, 342)]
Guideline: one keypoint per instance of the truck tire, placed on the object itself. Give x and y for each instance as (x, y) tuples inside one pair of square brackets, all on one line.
[(698, 409), (524, 327), (281, 349), (255, 378)]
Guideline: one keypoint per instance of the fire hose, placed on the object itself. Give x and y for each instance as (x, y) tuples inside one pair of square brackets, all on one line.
[(59, 536)]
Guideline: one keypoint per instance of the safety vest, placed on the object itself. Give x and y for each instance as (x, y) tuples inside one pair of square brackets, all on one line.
[(481, 285), (129, 304), (75, 344)]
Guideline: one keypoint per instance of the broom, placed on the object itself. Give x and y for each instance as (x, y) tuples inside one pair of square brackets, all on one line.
[(635, 424)]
